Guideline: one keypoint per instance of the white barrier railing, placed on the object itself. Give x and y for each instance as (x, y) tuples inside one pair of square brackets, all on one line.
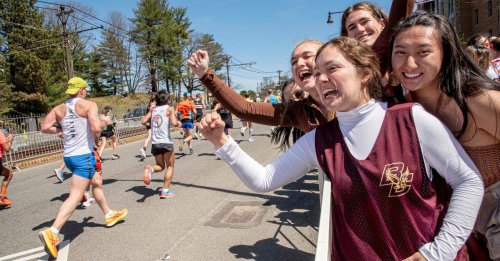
[(324, 243)]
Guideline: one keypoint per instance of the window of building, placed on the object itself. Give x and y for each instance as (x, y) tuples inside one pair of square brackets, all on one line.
[(442, 8), (476, 16), (490, 8)]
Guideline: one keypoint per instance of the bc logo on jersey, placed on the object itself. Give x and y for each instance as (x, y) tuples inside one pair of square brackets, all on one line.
[(156, 121), (398, 178)]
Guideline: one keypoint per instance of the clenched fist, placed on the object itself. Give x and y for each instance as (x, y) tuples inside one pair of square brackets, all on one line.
[(199, 62), (212, 128)]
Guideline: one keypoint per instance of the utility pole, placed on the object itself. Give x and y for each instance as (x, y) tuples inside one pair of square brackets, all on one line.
[(227, 70), (69, 59), (279, 77), (228, 57)]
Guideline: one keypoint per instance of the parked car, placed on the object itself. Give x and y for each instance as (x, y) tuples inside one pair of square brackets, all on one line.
[(135, 114)]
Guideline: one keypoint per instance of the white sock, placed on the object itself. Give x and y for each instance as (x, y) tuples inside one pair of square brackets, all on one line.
[(110, 213), (165, 190), (54, 230)]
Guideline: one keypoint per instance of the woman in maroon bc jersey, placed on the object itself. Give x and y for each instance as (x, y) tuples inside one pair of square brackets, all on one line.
[(388, 203)]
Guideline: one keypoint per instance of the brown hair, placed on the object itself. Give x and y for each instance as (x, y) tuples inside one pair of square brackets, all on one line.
[(363, 58), (312, 41), (376, 12), (480, 55)]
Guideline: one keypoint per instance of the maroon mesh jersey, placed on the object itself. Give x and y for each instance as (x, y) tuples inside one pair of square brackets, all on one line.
[(384, 207)]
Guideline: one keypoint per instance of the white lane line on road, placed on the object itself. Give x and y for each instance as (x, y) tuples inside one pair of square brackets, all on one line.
[(21, 253), (41, 255)]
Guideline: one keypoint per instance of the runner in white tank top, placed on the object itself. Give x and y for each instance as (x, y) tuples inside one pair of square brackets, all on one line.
[(160, 125), (79, 123), (78, 137), (161, 117)]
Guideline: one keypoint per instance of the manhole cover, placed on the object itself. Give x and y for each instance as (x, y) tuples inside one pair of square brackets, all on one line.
[(238, 214)]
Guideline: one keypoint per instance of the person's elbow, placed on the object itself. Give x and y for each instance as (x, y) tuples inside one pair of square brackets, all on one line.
[(96, 128)]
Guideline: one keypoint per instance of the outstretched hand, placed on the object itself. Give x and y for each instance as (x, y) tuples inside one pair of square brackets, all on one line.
[(212, 128), (199, 62), (415, 257)]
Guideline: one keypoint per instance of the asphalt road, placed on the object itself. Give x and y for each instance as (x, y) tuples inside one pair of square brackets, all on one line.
[(213, 216)]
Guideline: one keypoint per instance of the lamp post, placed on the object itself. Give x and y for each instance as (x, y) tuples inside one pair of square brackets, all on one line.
[(330, 19)]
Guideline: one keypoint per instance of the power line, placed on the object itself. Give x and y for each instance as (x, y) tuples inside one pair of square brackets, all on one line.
[(34, 48), (26, 26), (81, 11), (100, 26)]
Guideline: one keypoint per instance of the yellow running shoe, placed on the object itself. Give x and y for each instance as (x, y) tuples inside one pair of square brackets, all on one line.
[(117, 216), (49, 240)]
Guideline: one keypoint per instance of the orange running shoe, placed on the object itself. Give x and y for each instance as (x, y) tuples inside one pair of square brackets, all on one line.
[(4, 201), (49, 240), (117, 216)]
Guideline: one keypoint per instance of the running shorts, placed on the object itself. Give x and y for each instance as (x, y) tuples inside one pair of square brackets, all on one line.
[(82, 165), (187, 124), (161, 148), (107, 133), (98, 166)]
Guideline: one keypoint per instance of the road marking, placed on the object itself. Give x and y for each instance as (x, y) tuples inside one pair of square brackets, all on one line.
[(39, 254)]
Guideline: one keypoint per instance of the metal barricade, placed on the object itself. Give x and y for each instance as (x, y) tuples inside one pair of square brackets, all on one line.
[(29, 143)]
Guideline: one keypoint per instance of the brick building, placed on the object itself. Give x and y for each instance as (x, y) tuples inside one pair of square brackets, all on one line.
[(469, 17)]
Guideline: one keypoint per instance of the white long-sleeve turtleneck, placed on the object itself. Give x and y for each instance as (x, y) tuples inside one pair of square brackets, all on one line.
[(361, 128)]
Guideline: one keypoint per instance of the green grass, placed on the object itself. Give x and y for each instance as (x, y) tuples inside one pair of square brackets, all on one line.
[(120, 104)]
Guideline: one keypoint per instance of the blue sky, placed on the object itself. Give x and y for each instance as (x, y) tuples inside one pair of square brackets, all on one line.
[(263, 32)]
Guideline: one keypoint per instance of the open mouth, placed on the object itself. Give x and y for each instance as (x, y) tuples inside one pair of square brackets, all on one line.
[(330, 93), (305, 75), (363, 38)]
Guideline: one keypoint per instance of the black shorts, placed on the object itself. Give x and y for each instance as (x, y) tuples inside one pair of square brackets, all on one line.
[(107, 133), (199, 115), (161, 148)]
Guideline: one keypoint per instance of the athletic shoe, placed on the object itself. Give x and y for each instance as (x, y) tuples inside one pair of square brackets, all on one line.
[(88, 202), (49, 240), (59, 175), (191, 151), (115, 156), (168, 194), (197, 136), (4, 201), (148, 170), (242, 131), (143, 154), (250, 139), (116, 216), (181, 145)]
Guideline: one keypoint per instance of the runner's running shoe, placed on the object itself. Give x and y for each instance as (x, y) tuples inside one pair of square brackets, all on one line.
[(148, 171), (4, 201), (167, 194), (115, 156), (250, 139), (49, 240), (88, 202), (191, 151), (59, 175), (143, 154), (242, 131), (116, 216)]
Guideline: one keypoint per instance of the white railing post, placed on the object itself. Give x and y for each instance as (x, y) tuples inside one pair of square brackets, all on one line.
[(324, 242)]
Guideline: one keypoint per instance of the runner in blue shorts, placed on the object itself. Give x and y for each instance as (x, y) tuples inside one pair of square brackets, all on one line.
[(77, 119)]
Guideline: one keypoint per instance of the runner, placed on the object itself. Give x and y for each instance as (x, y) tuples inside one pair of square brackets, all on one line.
[(187, 112), (388, 203), (162, 117), (151, 105), (109, 133), (199, 104), (5, 145), (246, 125), (79, 122)]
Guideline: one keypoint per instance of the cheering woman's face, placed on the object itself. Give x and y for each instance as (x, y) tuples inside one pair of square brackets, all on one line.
[(303, 65), (364, 27)]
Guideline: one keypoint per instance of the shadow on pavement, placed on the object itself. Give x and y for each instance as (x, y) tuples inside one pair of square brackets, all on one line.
[(144, 191), (269, 249), (71, 228)]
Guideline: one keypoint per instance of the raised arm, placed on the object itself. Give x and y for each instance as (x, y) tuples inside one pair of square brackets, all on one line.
[(96, 124), (262, 113), (400, 9), (172, 117)]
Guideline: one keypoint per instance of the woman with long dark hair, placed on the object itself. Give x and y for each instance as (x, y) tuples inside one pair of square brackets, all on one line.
[(430, 63)]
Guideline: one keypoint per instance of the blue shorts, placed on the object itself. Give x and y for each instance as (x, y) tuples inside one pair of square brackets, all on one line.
[(187, 125), (81, 165)]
